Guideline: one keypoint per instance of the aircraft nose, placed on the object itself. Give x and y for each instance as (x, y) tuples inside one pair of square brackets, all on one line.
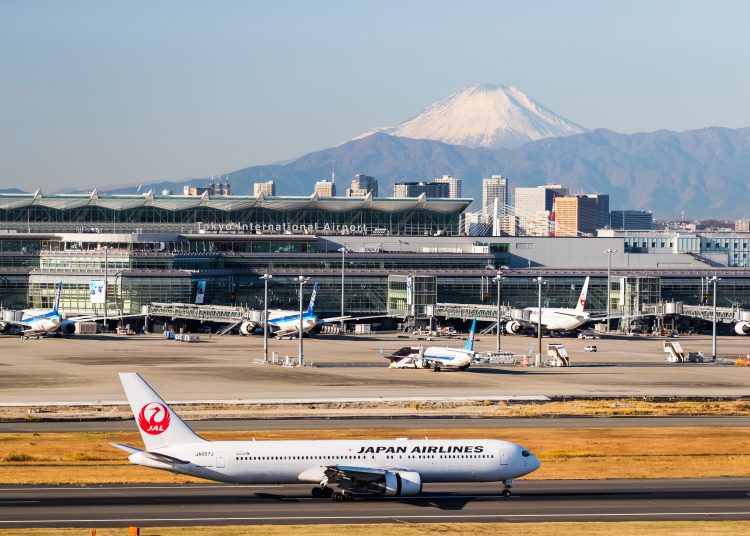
[(535, 463)]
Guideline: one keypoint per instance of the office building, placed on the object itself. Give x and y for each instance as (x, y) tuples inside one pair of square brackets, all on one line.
[(362, 186), (631, 220), (494, 187), (267, 189), (602, 209), (215, 188), (435, 190), (454, 185), (576, 215), (742, 225), (325, 188), (534, 205)]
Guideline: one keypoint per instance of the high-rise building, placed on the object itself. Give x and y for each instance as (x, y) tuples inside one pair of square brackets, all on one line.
[(454, 185), (325, 188), (533, 207), (267, 189), (631, 220), (576, 215), (362, 185), (215, 188), (415, 189), (602, 209), (742, 225), (494, 187)]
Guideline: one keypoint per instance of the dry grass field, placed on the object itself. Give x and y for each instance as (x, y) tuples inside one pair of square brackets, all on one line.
[(627, 528), (87, 458)]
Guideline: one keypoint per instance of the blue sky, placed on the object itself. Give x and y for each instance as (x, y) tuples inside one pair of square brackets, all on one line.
[(97, 93)]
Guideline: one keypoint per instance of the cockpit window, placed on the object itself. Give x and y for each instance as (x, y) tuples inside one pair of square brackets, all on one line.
[(525, 453)]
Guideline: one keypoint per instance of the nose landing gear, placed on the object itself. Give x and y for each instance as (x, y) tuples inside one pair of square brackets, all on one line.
[(506, 490)]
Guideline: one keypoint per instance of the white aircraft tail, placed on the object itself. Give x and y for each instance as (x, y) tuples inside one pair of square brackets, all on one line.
[(159, 425), (582, 298)]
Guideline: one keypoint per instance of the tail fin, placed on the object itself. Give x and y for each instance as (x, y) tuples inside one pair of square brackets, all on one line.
[(57, 298), (312, 299), (582, 298), (470, 342), (159, 425)]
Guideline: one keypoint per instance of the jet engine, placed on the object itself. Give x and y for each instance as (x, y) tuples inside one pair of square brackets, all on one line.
[(67, 328), (247, 328), (513, 327), (742, 328), (401, 483), (3, 327)]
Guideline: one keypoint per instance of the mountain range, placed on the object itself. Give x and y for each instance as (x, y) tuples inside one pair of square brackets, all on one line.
[(484, 130)]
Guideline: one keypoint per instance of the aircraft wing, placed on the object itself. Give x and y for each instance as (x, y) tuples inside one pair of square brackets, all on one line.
[(94, 318), (15, 323), (352, 318), (337, 473)]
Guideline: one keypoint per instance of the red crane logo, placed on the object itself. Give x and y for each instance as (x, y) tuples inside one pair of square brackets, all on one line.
[(154, 418)]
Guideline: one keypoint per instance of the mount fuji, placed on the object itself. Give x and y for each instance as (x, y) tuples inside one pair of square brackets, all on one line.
[(487, 116)]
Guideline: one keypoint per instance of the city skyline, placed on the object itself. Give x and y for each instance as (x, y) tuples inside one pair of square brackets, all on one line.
[(109, 94)]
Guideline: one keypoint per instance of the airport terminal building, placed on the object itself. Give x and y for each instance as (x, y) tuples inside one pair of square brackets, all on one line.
[(165, 248)]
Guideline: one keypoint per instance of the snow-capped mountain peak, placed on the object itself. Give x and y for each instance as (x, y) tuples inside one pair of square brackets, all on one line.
[(485, 115)]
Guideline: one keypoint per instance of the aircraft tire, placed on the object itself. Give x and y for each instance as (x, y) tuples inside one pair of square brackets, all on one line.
[(506, 493), (317, 493), (338, 496)]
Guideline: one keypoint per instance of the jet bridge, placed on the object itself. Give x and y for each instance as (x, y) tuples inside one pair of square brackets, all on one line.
[(203, 313)]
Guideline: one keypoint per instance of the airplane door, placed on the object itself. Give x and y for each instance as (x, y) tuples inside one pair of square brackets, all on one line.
[(503, 457), (220, 459)]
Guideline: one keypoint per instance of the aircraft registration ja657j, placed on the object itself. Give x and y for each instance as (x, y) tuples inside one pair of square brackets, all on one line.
[(340, 469)]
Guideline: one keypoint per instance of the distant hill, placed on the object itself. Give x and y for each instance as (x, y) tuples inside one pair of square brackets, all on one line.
[(704, 172), (11, 191)]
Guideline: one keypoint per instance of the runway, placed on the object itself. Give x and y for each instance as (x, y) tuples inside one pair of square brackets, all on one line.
[(347, 423), (613, 500)]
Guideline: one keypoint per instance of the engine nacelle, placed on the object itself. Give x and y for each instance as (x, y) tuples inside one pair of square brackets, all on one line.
[(67, 328), (3, 327), (742, 328), (402, 483), (513, 327), (247, 328)]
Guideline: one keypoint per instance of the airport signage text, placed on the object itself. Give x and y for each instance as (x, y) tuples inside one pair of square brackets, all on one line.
[(285, 228)]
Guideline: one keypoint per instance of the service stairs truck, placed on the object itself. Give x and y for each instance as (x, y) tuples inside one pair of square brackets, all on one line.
[(675, 353)]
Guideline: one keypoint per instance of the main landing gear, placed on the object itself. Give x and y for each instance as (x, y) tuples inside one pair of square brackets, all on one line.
[(508, 484), (327, 493)]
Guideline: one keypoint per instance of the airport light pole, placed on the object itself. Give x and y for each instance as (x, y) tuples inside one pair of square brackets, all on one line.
[(302, 280), (713, 280), (265, 278), (498, 279), (343, 251), (609, 253), (539, 322)]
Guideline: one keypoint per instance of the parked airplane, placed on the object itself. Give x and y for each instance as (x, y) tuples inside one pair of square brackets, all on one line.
[(553, 318), (435, 357), (47, 322), (356, 467), (283, 322)]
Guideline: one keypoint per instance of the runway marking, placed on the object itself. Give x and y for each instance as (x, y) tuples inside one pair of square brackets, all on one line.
[(451, 515)]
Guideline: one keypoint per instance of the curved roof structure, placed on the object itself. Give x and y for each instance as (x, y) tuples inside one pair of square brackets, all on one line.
[(231, 203)]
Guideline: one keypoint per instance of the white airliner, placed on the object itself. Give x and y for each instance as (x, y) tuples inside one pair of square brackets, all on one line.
[(46, 322), (553, 318), (358, 467), (283, 322), (435, 357)]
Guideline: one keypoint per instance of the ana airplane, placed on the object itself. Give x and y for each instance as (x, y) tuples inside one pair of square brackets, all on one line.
[(47, 322), (435, 357), (283, 322), (355, 468), (553, 319)]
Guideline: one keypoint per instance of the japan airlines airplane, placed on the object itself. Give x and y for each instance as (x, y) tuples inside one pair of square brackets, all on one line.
[(435, 357), (553, 319), (354, 467), (46, 322)]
